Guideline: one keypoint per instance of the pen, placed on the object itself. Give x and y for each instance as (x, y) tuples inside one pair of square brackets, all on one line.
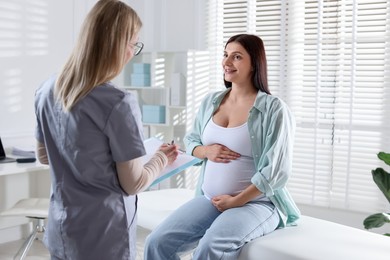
[(180, 150)]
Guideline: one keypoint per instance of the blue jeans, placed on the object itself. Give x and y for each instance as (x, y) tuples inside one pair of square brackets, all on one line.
[(215, 235)]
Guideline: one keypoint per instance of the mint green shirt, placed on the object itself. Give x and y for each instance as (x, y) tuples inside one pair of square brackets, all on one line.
[(271, 127)]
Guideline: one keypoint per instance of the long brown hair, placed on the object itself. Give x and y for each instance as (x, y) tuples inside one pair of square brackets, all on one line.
[(100, 52), (255, 47)]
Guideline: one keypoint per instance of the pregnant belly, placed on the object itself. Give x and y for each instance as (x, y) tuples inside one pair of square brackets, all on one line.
[(227, 178)]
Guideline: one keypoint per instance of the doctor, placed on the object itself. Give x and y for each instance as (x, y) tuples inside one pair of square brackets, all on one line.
[(88, 131)]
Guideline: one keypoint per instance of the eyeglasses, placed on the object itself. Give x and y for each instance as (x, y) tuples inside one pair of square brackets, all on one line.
[(138, 46)]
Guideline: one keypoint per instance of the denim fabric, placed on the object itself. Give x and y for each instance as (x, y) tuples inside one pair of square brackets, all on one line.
[(215, 235)]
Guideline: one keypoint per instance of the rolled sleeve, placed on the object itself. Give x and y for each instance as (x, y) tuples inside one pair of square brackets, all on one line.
[(261, 182)]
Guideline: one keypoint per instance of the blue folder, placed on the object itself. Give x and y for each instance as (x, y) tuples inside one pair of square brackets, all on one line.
[(182, 162)]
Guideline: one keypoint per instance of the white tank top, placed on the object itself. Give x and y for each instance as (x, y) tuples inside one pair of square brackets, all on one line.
[(233, 177)]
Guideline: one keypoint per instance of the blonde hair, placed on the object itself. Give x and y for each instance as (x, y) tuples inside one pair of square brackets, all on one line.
[(100, 52)]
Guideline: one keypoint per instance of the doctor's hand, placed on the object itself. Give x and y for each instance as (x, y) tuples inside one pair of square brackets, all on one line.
[(171, 151), (219, 153)]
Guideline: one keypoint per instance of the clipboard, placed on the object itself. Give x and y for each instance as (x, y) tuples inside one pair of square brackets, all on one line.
[(182, 162)]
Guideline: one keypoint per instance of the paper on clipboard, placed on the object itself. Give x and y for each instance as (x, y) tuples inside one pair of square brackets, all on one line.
[(182, 162)]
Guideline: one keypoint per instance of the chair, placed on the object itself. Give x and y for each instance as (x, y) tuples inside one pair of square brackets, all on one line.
[(37, 210)]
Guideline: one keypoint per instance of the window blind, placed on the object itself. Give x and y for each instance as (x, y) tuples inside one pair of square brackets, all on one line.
[(330, 61)]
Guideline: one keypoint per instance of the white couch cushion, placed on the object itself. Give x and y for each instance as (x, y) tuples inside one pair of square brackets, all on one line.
[(316, 239)]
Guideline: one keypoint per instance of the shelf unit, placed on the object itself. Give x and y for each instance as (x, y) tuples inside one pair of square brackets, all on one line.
[(165, 66)]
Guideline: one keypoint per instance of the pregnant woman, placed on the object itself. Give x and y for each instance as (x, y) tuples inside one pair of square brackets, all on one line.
[(244, 136)]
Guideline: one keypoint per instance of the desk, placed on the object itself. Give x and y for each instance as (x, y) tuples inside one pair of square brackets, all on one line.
[(22, 180), (17, 168), (19, 181)]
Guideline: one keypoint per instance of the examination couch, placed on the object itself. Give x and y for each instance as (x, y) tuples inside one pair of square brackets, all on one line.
[(310, 239)]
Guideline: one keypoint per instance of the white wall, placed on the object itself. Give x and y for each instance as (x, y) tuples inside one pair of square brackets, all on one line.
[(33, 45), (344, 217), (172, 25), (38, 36)]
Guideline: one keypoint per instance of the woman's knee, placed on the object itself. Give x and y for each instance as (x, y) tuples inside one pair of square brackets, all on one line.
[(212, 243), (211, 247), (154, 238)]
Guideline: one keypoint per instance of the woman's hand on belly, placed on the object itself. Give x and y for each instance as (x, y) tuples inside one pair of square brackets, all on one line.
[(219, 153), (224, 202)]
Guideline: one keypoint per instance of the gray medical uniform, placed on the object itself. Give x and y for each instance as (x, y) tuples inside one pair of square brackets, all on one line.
[(90, 216)]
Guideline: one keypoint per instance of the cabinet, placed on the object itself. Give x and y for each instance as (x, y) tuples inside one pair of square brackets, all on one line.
[(163, 102), (166, 67)]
